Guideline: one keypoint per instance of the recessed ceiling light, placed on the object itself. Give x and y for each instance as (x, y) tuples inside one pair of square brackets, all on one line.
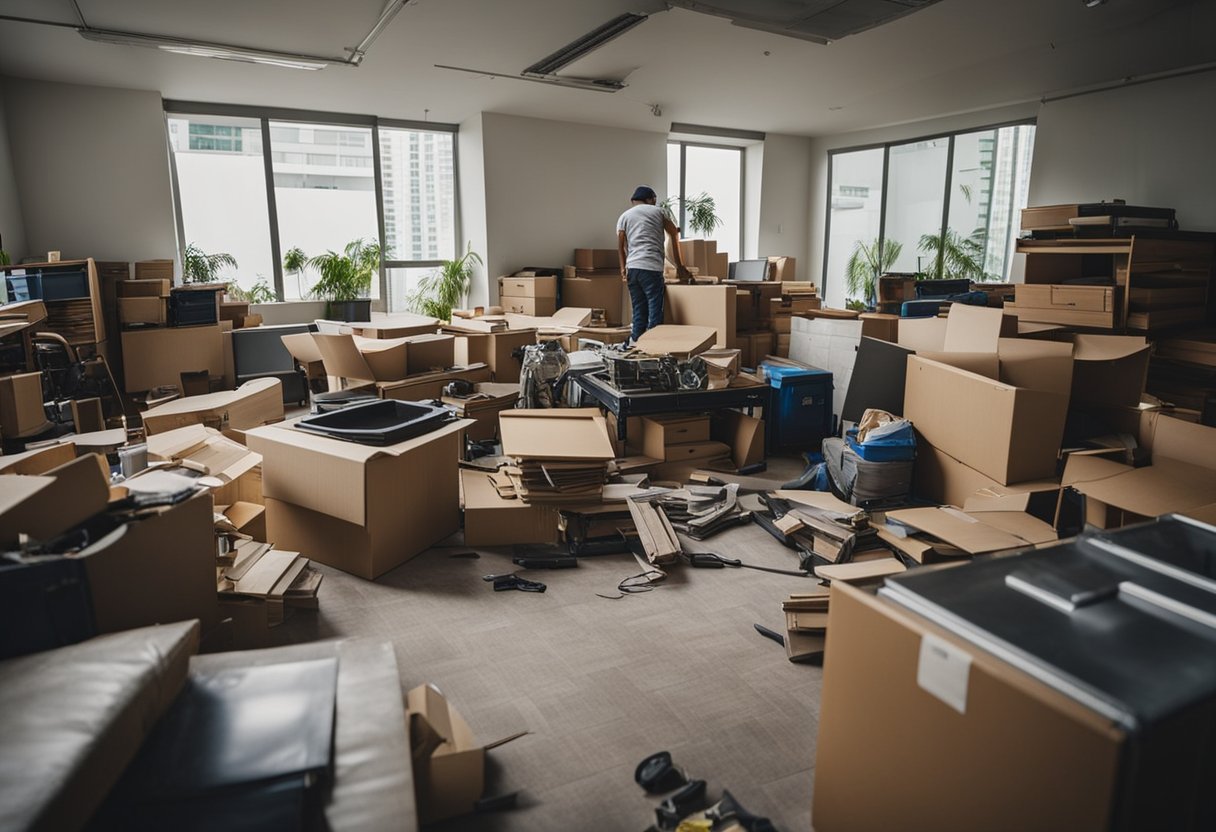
[(1090, 4)]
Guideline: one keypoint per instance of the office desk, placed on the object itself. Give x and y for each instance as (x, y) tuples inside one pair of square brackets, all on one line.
[(624, 405)]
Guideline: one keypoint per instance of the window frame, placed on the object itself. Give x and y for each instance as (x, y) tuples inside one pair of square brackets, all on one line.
[(265, 115), (886, 165), (684, 144)]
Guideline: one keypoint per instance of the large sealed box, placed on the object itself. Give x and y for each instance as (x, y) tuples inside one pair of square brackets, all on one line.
[(537, 307), (711, 306), (1004, 416), (606, 292), (527, 286), (359, 508), (158, 357), (142, 310), (21, 411)]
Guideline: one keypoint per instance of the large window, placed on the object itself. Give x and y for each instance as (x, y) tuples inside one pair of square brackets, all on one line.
[(257, 184), (943, 206), (716, 171)]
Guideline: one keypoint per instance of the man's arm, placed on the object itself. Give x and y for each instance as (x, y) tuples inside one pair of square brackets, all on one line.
[(620, 253), (674, 233)]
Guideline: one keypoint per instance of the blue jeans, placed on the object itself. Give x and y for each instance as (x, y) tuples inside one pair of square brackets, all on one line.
[(646, 291)]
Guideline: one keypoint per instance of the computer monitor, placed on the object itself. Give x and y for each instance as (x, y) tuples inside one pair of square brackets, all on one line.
[(749, 270)]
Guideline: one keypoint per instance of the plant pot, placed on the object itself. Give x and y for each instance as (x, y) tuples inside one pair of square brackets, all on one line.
[(350, 310)]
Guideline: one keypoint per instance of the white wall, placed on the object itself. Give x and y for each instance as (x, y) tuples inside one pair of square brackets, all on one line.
[(470, 158), (92, 170), (552, 187), (12, 226), (785, 199), (1151, 144)]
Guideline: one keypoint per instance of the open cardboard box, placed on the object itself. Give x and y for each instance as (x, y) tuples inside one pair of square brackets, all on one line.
[(449, 766), (1110, 370), (496, 349), (359, 508), (256, 402), (220, 459), (1006, 424), (1181, 478), (940, 478), (430, 385), (364, 359)]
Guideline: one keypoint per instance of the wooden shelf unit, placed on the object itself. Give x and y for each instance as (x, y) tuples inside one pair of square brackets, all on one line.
[(74, 308), (1143, 268)]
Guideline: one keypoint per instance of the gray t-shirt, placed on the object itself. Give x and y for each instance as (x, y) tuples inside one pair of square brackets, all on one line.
[(644, 233)]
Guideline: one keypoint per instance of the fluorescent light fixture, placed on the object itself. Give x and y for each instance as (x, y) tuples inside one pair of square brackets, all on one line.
[(591, 84), (584, 45), (204, 49)]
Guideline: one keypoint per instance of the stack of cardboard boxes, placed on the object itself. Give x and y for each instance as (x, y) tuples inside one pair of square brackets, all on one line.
[(594, 282), (526, 293)]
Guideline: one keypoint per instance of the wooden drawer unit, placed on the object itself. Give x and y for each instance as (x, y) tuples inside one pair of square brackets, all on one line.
[(1053, 303)]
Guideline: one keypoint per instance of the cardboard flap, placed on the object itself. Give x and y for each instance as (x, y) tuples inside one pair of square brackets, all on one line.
[(1082, 468), (1184, 441), (342, 358), (15, 490), (1107, 347), (984, 364), (1037, 365), (928, 334), (958, 529), (430, 704), (302, 347), (556, 434), (674, 339), (1018, 523), (1160, 488), (974, 329), (38, 461), (77, 490)]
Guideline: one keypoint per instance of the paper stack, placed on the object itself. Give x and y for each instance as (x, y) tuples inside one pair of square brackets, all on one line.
[(559, 455)]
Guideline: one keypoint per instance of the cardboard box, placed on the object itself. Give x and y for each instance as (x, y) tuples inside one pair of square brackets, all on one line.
[(528, 287), (660, 431), (784, 268), (1052, 303), (364, 359), (744, 434), (536, 307), (498, 349), (142, 310), (246, 518), (449, 766), (21, 411), (491, 399), (303, 349), (1008, 428), (1182, 476), (491, 520), (880, 326), (358, 508), (596, 258), (1110, 370), (710, 306), (940, 478), (608, 293), (154, 270), (428, 353), (754, 346), (52, 500), (157, 357), (1039, 740), (256, 402), (158, 288)]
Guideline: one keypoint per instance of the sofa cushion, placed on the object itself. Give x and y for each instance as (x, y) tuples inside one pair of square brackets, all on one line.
[(73, 718)]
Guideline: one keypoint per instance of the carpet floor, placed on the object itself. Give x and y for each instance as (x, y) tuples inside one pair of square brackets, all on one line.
[(599, 684)]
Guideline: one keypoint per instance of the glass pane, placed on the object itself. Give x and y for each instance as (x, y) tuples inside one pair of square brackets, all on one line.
[(402, 282), (855, 212), (673, 178), (916, 181), (324, 191), (221, 185), (716, 171), (419, 187)]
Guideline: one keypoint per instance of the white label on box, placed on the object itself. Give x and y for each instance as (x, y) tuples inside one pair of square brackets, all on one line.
[(943, 670)]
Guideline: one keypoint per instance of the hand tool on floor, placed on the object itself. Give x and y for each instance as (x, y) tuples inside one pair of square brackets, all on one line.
[(767, 633), (709, 560)]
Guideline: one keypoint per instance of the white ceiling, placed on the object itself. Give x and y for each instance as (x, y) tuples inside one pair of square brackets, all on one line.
[(954, 56)]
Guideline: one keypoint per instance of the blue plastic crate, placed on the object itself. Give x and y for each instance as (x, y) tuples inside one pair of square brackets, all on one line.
[(894, 449), (802, 406)]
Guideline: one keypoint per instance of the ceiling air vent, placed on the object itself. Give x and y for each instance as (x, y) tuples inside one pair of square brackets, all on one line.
[(821, 21)]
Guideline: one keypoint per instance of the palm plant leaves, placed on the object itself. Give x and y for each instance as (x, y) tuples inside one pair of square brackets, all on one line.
[(200, 267), (867, 262), (953, 256), (702, 214), (295, 260), (445, 289), (346, 276)]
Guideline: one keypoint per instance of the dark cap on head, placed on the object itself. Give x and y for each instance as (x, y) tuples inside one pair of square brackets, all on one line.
[(643, 193)]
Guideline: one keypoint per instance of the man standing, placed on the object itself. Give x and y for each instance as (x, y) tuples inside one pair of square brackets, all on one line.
[(639, 245)]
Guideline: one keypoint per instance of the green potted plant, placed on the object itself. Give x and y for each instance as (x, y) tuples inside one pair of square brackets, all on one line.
[(346, 279), (200, 267), (446, 288), (953, 256), (866, 263), (259, 293), (700, 211), (295, 261)]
